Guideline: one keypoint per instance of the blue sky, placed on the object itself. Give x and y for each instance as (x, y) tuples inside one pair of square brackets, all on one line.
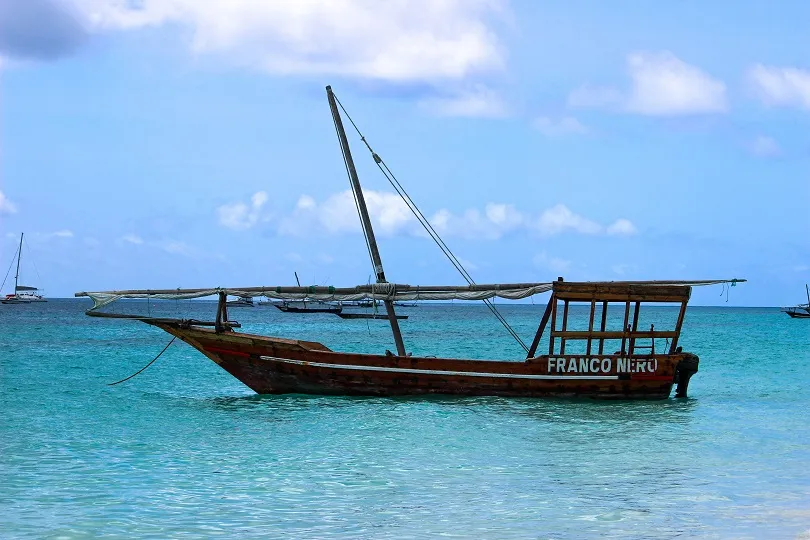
[(179, 143)]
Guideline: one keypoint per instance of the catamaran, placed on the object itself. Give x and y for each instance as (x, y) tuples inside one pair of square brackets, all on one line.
[(623, 362), (800, 311), (23, 294)]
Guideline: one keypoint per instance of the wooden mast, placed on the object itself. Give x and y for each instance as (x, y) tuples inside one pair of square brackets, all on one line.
[(364, 217), (19, 256)]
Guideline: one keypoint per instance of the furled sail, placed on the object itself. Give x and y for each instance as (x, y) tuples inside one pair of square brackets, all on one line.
[(377, 291), (373, 291), (26, 288)]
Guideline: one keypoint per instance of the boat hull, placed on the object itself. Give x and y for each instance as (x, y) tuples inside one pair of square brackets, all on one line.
[(294, 309), (279, 366)]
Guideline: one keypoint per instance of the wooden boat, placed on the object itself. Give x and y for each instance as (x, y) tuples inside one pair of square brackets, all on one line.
[(306, 305), (600, 362), (800, 311), (309, 307), (22, 294)]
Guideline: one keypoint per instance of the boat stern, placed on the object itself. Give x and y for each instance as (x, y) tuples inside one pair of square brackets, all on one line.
[(687, 367)]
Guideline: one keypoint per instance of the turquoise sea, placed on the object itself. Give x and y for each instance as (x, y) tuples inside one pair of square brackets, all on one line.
[(184, 450)]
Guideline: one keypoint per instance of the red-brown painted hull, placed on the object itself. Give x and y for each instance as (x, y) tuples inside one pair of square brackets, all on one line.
[(278, 366)]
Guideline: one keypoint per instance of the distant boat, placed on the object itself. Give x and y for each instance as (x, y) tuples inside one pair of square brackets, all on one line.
[(241, 301), (800, 311), (308, 306), (23, 294), (304, 306)]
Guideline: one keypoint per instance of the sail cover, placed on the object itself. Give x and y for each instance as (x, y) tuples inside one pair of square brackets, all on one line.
[(375, 291), (26, 288)]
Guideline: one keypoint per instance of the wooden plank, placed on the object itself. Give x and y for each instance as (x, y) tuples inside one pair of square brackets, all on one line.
[(564, 325), (621, 297), (553, 302), (624, 325), (634, 329), (590, 328), (540, 329), (582, 334), (603, 326), (621, 292)]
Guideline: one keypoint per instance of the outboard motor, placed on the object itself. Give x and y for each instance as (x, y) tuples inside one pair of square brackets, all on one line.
[(684, 371)]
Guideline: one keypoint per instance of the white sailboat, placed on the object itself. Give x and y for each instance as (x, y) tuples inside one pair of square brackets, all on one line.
[(23, 294)]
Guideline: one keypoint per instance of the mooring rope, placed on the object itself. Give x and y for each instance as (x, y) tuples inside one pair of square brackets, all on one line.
[(389, 175), (146, 366)]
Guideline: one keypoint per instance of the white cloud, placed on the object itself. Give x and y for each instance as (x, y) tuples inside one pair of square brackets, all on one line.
[(63, 233), (764, 146), (623, 269), (241, 216), (781, 86), (495, 221), (132, 239), (621, 227), (567, 125), (480, 102), (338, 214), (176, 247), (661, 85), (417, 40), (6, 206), (560, 219), (555, 264)]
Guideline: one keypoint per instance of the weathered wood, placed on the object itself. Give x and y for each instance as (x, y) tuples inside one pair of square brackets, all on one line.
[(553, 302), (583, 334), (590, 327), (540, 329), (564, 325), (277, 366), (618, 291), (625, 328), (364, 217), (634, 329), (603, 326)]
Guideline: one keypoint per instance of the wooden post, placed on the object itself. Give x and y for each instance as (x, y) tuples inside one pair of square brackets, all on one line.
[(590, 327), (624, 326), (539, 334), (221, 312), (635, 328), (564, 325), (365, 219), (602, 327), (553, 302)]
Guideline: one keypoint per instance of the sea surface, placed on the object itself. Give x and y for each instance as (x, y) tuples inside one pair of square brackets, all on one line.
[(184, 450)]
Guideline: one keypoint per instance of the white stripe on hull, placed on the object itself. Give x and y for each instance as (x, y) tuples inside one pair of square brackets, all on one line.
[(444, 372)]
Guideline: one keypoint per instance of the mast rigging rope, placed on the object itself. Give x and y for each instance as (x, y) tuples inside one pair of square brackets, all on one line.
[(389, 175)]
